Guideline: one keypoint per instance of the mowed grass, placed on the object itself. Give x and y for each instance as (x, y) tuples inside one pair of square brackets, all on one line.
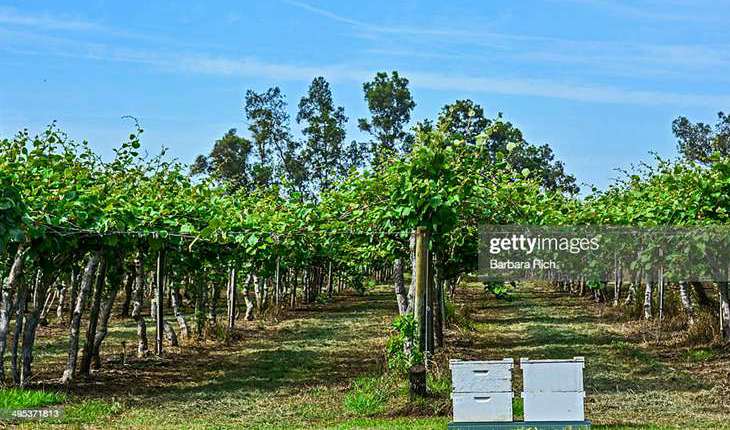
[(323, 367)]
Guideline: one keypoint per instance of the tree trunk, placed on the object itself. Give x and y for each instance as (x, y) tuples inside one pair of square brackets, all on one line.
[(47, 304), (417, 381), (6, 302), (87, 280), (453, 284), (618, 280), (258, 291), (105, 315), (401, 295), (320, 281), (212, 303), (702, 298), (631, 294), (175, 298), (20, 308), (75, 282), (305, 286), (200, 299), (725, 310), (293, 292), (247, 298), (61, 302), (137, 303), (686, 300), (128, 288), (88, 350), (412, 288), (32, 319), (647, 299)]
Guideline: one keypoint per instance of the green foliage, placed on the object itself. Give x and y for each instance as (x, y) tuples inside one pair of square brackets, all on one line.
[(390, 103), (367, 396), (699, 355), (404, 334), (501, 290), (228, 162), (326, 157), (518, 407), (275, 150), (90, 411), (17, 398), (702, 142), (439, 386)]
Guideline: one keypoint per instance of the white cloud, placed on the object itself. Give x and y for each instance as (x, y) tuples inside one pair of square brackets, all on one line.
[(614, 58), (180, 61), (563, 90), (663, 10), (11, 16), (249, 67)]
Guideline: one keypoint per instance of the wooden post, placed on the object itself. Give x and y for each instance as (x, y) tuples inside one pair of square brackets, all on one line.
[(420, 274), (329, 280), (660, 281), (439, 312), (417, 381), (159, 295), (277, 294), (430, 304)]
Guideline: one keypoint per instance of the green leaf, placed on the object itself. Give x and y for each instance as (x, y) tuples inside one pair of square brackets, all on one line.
[(6, 204)]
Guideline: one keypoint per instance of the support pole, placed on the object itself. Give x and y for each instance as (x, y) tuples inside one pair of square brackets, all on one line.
[(231, 298), (159, 295), (277, 294), (420, 274)]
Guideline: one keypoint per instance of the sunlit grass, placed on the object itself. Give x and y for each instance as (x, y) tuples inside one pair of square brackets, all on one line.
[(16, 398)]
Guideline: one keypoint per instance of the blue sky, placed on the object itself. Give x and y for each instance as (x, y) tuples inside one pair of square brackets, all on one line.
[(598, 80)]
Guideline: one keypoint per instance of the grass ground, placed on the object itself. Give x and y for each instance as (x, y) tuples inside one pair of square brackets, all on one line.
[(322, 367)]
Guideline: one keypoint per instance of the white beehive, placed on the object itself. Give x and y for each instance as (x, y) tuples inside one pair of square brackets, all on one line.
[(566, 406), (553, 389), (481, 376), (552, 375), (476, 407), (482, 390)]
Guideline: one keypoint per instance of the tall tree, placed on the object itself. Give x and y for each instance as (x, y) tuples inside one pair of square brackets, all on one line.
[(276, 152), (390, 104), (325, 156), (698, 141), (228, 161), (465, 120)]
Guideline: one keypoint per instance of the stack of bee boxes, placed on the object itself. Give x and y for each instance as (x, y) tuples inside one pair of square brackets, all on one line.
[(553, 389), (482, 390)]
